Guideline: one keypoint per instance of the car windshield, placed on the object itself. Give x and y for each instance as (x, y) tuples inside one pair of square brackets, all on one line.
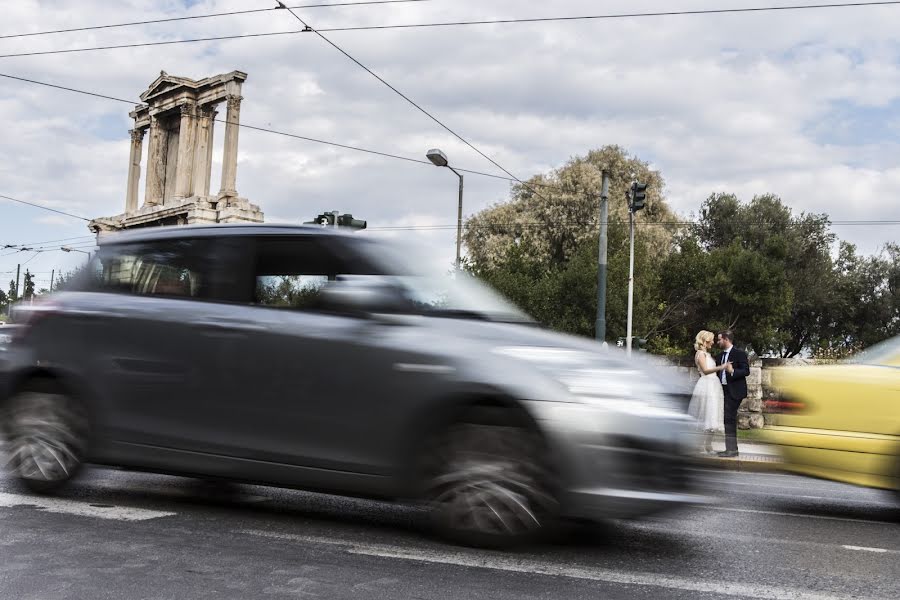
[(880, 354), (450, 293)]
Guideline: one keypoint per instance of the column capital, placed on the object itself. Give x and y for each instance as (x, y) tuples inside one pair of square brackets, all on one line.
[(233, 101), (137, 135), (206, 112), (188, 109)]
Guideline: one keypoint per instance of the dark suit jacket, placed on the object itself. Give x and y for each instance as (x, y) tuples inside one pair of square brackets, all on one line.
[(737, 381)]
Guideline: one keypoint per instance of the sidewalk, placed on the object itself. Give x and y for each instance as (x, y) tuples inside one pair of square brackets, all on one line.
[(753, 457)]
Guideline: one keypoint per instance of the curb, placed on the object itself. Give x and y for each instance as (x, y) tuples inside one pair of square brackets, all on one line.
[(747, 465)]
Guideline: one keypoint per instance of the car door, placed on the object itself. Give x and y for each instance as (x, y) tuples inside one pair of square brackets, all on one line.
[(155, 360), (314, 383)]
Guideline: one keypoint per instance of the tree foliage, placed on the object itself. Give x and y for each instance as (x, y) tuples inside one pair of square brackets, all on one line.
[(540, 248), (778, 278)]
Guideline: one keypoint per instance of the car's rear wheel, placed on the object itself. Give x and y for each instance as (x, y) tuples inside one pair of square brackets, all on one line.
[(47, 433), (490, 485), (897, 484)]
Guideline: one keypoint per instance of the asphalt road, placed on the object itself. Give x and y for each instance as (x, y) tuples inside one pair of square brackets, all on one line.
[(114, 534)]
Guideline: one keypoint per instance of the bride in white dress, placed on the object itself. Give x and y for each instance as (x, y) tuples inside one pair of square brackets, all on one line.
[(707, 402)]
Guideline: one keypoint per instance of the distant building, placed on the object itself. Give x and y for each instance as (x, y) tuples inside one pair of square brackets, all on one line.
[(180, 115)]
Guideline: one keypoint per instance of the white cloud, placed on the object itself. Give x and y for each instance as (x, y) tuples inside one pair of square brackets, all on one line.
[(743, 103)]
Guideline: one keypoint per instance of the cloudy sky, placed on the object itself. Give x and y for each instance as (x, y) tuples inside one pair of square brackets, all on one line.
[(805, 104)]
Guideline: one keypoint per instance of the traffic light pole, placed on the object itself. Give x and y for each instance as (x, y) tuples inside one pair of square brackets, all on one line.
[(630, 279), (600, 325)]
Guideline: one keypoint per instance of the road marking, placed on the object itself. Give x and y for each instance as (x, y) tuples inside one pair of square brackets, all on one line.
[(786, 514), (685, 529), (82, 509), (501, 562), (865, 549)]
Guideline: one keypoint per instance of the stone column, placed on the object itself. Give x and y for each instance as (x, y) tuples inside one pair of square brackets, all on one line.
[(229, 157), (134, 170), (213, 113), (156, 164), (201, 151), (184, 171)]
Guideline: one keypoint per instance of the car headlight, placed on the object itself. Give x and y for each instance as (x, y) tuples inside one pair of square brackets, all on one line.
[(621, 389)]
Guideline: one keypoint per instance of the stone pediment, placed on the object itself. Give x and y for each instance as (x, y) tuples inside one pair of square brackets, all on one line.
[(167, 83)]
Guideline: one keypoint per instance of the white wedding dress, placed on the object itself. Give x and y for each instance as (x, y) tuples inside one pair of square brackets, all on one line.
[(708, 402)]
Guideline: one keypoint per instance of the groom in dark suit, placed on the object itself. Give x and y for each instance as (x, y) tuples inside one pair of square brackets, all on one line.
[(734, 387)]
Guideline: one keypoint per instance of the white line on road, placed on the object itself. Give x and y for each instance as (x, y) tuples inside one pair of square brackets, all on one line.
[(797, 515), (669, 527), (82, 509), (499, 562), (865, 549)]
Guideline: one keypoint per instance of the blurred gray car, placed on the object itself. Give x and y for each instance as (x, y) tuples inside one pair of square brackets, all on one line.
[(308, 358)]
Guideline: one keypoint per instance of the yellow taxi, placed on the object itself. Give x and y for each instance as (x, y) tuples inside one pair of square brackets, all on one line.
[(842, 422)]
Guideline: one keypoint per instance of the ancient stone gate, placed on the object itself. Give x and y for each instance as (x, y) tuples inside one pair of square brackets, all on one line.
[(179, 115)]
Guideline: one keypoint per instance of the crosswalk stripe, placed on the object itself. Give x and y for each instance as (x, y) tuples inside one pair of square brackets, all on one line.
[(82, 509)]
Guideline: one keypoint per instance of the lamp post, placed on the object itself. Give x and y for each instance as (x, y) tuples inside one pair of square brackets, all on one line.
[(439, 159)]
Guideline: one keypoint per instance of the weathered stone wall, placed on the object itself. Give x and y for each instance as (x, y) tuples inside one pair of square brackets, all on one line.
[(759, 385)]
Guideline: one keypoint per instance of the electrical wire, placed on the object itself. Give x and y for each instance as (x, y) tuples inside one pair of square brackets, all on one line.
[(308, 29), (274, 131), (408, 99), (204, 16), (45, 208)]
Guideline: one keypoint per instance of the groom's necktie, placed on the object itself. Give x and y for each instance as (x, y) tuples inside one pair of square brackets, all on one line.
[(724, 362)]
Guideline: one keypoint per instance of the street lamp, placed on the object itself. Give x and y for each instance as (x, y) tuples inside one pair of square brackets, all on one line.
[(68, 249), (439, 159)]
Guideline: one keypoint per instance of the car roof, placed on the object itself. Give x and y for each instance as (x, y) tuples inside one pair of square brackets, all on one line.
[(173, 232)]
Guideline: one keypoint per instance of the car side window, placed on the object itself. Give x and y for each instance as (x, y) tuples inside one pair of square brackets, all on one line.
[(291, 271), (170, 268)]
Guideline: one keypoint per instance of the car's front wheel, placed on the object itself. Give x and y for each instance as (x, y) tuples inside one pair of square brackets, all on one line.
[(490, 485), (47, 432)]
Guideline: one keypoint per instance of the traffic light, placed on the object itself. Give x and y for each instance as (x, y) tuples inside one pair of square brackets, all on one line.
[(324, 220), (350, 222), (638, 196), (333, 219), (636, 343)]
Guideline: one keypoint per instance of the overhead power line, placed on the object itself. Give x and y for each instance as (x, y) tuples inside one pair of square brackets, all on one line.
[(68, 239), (308, 29), (274, 131), (60, 212), (674, 13), (571, 224), (205, 16), (405, 97)]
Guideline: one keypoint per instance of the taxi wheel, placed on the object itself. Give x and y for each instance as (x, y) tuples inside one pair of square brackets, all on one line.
[(897, 485), (47, 432), (488, 486)]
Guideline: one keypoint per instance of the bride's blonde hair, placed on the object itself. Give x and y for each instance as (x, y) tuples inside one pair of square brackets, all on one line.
[(701, 339)]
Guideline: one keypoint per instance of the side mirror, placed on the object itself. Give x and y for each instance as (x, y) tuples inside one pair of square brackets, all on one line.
[(364, 296)]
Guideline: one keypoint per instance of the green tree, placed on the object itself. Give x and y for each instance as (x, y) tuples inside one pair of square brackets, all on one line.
[(12, 296), (65, 280), (539, 248), (759, 269)]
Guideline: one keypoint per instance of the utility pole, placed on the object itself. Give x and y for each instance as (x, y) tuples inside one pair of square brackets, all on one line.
[(52, 275), (600, 325), (630, 279), (18, 270), (458, 218), (636, 203)]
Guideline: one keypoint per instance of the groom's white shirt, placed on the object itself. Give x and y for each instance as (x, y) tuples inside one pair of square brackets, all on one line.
[(724, 362)]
